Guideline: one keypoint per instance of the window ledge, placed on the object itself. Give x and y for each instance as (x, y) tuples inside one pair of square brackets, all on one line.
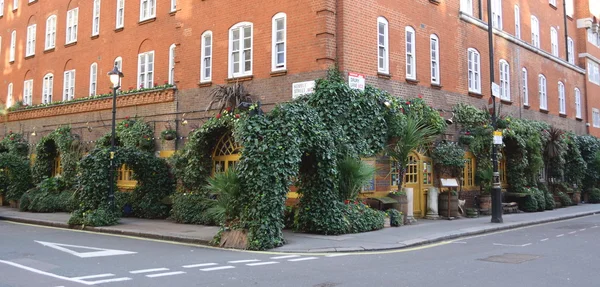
[(239, 79), (32, 2), (436, 86), (544, 111), (12, 62), (95, 36), (173, 12), (552, 6), (384, 75), (578, 119), (570, 17), (71, 44), (29, 57), (436, 2), (149, 20), (412, 81), (527, 107), (562, 115), (205, 84), (50, 50), (506, 102), (278, 73), (119, 29), (475, 94)]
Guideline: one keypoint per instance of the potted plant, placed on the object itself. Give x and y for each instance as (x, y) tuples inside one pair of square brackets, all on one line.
[(169, 133), (410, 134), (449, 160)]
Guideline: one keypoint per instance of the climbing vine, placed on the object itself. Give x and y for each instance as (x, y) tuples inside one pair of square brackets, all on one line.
[(131, 132), (15, 175), (61, 142), (14, 143)]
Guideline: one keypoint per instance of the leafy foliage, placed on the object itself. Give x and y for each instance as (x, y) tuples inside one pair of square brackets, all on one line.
[(470, 117), (131, 133), (589, 147), (190, 208), (229, 96), (225, 186), (575, 166), (449, 158), (565, 199), (360, 217), (549, 201), (14, 143), (353, 175), (15, 175), (50, 195), (396, 218), (59, 142), (594, 196)]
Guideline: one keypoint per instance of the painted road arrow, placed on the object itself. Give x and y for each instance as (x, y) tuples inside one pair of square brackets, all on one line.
[(97, 252)]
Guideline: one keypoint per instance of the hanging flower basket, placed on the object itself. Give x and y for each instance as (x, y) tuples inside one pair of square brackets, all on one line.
[(168, 135)]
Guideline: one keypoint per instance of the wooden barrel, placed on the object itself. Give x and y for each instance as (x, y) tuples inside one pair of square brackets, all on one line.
[(443, 205)]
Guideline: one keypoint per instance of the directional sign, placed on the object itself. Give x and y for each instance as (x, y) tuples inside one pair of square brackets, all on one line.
[(95, 252)]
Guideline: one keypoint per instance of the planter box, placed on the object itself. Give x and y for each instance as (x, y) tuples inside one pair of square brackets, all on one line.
[(237, 239), (443, 205), (485, 201), (576, 198)]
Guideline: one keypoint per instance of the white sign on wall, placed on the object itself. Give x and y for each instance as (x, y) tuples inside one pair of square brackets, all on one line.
[(356, 81), (302, 88)]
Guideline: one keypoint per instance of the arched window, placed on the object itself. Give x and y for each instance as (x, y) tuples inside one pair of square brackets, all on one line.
[(279, 42), (435, 59), (517, 22), (474, 68), (562, 101), (411, 63), (96, 18), (172, 64), (535, 31), (577, 103), (206, 65), (69, 85), (28, 92), (50, 32), (383, 50), (240, 50), (504, 80), (13, 46), (93, 79), (542, 92), (125, 181), (47, 88), (226, 154), (57, 166), (554, 41)]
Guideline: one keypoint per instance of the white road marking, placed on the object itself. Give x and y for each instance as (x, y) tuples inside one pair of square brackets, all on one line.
[(595, 226), (285, 257), (337, 255), (512, 245), (217, 268), (165, 274), (583, 229), (93, 276), (572, 232), (545, 239), (108, 281), (244, 261), (262, 263), (303, 259), (458, 242), (99, 252), (43, 272), (560, 235), (199, 265), (148, 270)]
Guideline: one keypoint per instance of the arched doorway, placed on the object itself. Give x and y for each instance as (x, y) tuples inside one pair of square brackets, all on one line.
[(226, 154), (419, 177)]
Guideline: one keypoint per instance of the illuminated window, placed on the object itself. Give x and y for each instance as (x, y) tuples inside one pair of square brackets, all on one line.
[(57, 166), (227, 154), (469, 171), (125, 179)]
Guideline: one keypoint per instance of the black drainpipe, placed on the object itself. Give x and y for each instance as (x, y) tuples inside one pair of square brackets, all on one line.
[(567, 34)]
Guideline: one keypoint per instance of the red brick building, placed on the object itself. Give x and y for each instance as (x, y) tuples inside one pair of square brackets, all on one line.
[(546, 56)]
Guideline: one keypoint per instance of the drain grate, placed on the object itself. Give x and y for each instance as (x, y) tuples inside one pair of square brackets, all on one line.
[(511, 258)]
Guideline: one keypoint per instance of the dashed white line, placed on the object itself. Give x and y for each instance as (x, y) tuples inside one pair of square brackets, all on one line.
[(262, 263), (337, 255), (148, 270), (109, 280), (199, 265), (458, 242), (560, 235), (594, 226), (572, 232), (165, 274), (583, 229), (93, 276), (244, 261), (285, 257), (303, 259), (545, 239), (217, 268)]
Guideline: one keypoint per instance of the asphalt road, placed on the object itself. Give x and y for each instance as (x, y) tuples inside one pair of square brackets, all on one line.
[(561, 254)]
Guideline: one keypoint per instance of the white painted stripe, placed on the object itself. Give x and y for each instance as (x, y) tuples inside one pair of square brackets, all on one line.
[(595, 226), (43, 272), (109, 280), (244, 261), (93, 276), (572, 232), (285, 257), (458, 242), (338, 255), (148, 270), (526, 244), (262, 263), (583, 229), (560, 235), (165, 274), (217, 268), (545, 239), (199, 265), (303, 259)]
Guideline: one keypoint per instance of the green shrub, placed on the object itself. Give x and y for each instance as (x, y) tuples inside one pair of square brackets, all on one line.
[(225, 188), (361, 218), (48, 196), (98, 217), (396, 218), (549, 201), (291, 217), (353, 175), (190, 208), (565, 200), (594, 196), (540, 198)]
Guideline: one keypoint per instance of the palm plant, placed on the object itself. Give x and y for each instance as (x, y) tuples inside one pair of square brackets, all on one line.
[(413, 133), (229, 96), (353, 175), (225, 186)]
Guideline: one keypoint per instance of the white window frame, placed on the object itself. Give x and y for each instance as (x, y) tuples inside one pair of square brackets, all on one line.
[(206, 58), (517, 22), (147, 9), (13, 46), (172, 64), (383, 46), (554, 41), (552, 2), (577, 103), (27, 92), (497, 14), (593, 70), (93, 79), (47, 88), (535, 32), (15, 5), (504, 80), (474, 70), (1, 7), (466, 6), (72, 23), (570, 50), (242, 50), (562, 100), (570, 8), (50, 41), (30, 45), (434, 46), (145, 75), (525, 88), (120, 14), (542, 91), (595, 118), (411, 53), (10, 100), (69, 85), (275, 65), (96, 18), (173, 5)]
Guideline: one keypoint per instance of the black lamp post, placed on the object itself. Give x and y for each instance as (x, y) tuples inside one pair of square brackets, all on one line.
[(496, 190), (115, 78)]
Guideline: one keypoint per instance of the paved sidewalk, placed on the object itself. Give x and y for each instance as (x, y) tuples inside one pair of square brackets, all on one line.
[(423, 232)]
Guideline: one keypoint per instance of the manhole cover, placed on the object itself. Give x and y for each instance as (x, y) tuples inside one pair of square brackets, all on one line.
[(511, 258)]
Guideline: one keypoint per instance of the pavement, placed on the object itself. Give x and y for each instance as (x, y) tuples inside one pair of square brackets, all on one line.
[(421, 233)]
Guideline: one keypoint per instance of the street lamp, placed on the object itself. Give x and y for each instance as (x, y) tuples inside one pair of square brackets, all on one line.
[(496, 190), (115, 78)]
